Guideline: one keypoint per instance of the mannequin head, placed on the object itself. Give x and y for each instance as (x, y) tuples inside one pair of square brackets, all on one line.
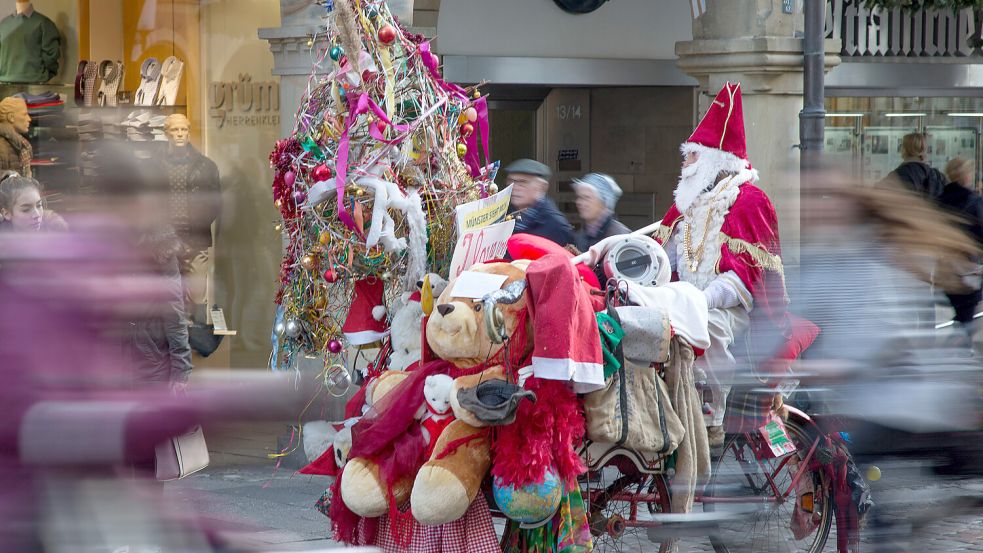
[(20, 202), (178, 130), (14, 111), (24, 6)]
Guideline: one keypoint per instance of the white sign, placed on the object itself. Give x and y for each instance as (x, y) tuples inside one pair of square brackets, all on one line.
[(484, 212), (479, 246), (475, 285)]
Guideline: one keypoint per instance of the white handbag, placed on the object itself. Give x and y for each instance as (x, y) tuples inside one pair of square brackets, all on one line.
[(182, 455)]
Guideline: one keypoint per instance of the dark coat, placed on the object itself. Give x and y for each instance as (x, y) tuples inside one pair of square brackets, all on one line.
[(968, 205), (611, 227), (921, 177), (204, 194), (157, 337), (544, 219)]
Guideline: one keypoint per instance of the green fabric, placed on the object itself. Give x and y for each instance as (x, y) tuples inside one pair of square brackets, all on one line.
[(30, 49), (611, 336), (567, 532)]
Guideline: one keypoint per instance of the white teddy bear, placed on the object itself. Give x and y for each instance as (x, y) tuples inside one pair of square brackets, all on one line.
[(404, 330)]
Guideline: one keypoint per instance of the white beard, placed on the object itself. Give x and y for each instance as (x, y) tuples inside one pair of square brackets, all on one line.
[(694, 181), (696, 178)]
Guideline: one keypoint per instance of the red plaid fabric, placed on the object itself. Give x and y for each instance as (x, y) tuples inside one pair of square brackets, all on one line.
[(472, 533)]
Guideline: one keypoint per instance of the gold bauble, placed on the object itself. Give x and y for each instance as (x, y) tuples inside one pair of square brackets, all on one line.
[(324, 237), (308, 262)]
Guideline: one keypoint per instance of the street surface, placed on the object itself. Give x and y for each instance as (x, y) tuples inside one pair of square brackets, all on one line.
[(277, 506)]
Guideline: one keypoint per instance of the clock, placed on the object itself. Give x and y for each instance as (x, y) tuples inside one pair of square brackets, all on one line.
[(579, 6)]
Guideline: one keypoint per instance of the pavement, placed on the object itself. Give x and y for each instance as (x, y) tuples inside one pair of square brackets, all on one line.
[(275, 506)]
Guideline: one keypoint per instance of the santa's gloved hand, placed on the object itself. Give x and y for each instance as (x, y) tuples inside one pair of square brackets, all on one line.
[(720, 294), (524, 374), (596, 252)]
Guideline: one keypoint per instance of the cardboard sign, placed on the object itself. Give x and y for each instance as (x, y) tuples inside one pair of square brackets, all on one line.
[(484, 212), (479, 246)]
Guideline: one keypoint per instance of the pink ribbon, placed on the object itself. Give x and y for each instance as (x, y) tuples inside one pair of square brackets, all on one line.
[(471, 157), (362, 105), (430, 62)]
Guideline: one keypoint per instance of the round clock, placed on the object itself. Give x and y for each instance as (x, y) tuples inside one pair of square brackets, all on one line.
[(579, 6)]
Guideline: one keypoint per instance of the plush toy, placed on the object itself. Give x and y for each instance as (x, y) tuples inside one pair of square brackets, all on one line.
[(405, 328), (437, 391), (446, 485)]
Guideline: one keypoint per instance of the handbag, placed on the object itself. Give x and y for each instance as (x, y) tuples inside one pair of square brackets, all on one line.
[(182, 455)]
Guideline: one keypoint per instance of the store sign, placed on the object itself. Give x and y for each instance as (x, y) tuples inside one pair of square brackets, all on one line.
[(879, 32), (245, 103)]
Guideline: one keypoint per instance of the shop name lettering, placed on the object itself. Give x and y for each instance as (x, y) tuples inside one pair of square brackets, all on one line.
[(877, 32), (245, 103)]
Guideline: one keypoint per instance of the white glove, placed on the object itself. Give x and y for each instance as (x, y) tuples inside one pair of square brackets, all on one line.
[(524, 374), (596, 252)]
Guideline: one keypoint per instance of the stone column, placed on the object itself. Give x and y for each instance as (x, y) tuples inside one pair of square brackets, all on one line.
[(753, 42)]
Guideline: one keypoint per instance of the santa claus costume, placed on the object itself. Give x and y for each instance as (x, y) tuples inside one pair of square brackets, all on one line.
[(721, 235)]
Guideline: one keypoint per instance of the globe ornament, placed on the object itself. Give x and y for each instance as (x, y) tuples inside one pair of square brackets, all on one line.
[(531, 504)]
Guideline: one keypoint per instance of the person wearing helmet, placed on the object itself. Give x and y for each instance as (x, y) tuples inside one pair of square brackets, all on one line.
[(597, 194)]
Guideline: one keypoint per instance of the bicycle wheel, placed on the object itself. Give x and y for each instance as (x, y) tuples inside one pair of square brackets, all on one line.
[(620, 507), (749, 490)]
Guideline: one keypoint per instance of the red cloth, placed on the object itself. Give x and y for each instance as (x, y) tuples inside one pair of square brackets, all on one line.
[(531, 247), (752, 218), (322, 466), (567, 344), (361, 327), (722, 126), (435, 428)]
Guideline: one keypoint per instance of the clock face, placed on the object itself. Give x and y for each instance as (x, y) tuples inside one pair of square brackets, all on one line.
[(579, 6)]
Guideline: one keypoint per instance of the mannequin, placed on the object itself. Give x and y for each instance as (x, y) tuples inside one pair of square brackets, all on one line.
[(15, 150), (194, 202), (30, 46)]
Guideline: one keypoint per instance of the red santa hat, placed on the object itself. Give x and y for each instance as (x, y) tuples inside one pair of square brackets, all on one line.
[(366, 321), (720, 134), (568, 344)]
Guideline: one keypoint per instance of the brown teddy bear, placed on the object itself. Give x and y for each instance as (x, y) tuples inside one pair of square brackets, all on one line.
[(445, 485)]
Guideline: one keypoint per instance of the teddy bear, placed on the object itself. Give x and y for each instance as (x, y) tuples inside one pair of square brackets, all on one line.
[(406, 325), (438, 414), (447, 481)]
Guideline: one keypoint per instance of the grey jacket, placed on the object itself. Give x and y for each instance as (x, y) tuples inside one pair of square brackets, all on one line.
[(157, 337)]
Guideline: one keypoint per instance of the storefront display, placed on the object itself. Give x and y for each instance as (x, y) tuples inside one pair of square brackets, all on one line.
[(30, 46)]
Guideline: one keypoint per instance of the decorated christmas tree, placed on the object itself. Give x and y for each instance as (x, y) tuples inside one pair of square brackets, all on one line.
[(382, 150)]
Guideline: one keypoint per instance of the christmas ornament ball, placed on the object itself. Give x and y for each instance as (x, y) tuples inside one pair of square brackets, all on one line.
[(321, 173), (467, 129), (491, 188), (307, 262), (336, 52), (292, 328), (387, 34), (471, 115), (529, 504), (462, 149), (280, 329), (324, 237), (334, 346), (299, 197), (330, 275), (289, 178)]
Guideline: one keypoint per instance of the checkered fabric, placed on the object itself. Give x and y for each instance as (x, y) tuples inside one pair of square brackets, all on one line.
[(472, 533), (748, 408)]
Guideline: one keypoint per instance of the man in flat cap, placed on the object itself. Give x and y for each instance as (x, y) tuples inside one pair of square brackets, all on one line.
[(536, 213)]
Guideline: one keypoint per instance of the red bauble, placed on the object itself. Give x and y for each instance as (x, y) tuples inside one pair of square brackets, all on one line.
[(289, 177), (387, 34), (334, 346), (322, 173), (467, 129), (330, 276)]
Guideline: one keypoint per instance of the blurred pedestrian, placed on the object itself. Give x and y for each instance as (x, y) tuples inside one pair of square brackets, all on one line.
[(914, 172), (22, 208), (536, 213), (959, 197), (597, 195)]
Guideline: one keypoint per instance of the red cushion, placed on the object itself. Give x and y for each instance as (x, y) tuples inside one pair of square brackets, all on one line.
[(532, 247)]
